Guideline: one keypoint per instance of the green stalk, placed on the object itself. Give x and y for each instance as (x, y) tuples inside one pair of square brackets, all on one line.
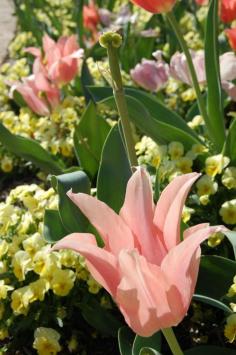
[(172, 341), (112, 41), (170, 16)]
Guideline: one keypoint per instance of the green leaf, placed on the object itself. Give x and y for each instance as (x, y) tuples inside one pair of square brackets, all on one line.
[(30, 150), (215, 276), (125, 340), (159, 130), (89, 138), (214, 96), (149, 351), (212, 302), (71, 217), (114, 171), (100, 318), (151, 116), (53, 227), (153, 342), (230, 146), (232, 238), (209, 350)]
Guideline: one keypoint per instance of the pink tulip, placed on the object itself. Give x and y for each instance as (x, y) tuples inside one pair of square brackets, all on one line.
[(150, 74), (60, 60), (38, 93), (179, 67), (144, 265)]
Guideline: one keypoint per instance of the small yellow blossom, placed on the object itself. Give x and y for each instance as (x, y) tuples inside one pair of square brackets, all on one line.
[(176, 150), (206, 186), (73, 344), (94, 287), (228, 211), (215, 164), (21, 298), (196, 122), (3, 333), (230, 328), (46, 341), (204, 200), (7, 164), (68, 258), (215, 239), (33, 244), (3, 248), (186, 214), (62, 282), (232, 289), (4, 289), (39, 288), (229, 178), (184, 164), (21, 263)]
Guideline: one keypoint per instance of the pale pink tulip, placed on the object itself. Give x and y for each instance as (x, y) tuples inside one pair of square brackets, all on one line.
[(179, 67), (150, 74), (144, 265), (60, 60), (38, 93)]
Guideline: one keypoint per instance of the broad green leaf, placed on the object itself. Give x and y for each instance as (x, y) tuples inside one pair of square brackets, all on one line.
[(71, 217), (214, 98), (114, 171), (232, 238), (159, 130), (153, 342), (89, 138), (154, 119), (215, 276), (125, 340), (209, 350), (99, 317), (53, 227), (212, 302), (230, 146), (149, 351), (30, 150)]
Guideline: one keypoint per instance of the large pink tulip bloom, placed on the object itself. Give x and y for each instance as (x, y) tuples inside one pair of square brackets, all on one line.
[(150, 74), (155, 6), (39, 94), (60, 61), (144, 265)]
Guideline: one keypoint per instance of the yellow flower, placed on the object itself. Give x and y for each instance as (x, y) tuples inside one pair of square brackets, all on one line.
[(45, 263), (46, 341), (39, 288), (232, 289), (30, 202), (33, 244), (228, 212), (3, 248), (3, 333), (229, 178), (176, 150), (215, 164), (198, 149), (21, 298), (196, 122), (21, 263), (188, 95), (62, 282), (4, 289), (230, 328), (215, 239), (72, 344), (233, 307), (94, 287), (6, 164), (186, 214), (68, 258), (184, 164), (206, 186), (204, 199)]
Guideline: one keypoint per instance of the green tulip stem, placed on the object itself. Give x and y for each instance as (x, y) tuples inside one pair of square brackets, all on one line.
[(112, 41), (172, 341), (171, 17)]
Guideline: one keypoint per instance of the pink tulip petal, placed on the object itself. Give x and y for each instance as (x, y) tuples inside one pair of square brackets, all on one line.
[(138, 212), (189, 231), (169, 208), (70, 46), (112, 228), (101, 263), (38, 105), (144, 295), (34, 51), (182, 262), (48, 43)]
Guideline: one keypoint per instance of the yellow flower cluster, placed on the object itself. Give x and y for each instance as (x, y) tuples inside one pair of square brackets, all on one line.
[(31, 270), (20, 42)]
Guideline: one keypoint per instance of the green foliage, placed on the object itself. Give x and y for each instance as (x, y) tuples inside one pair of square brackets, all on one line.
[(53, 227)]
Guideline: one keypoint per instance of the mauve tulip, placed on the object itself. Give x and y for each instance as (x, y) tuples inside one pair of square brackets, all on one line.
[(144, 265), (150, 74), (38, 93), (231, 34), (179, 67), (155, 6)]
